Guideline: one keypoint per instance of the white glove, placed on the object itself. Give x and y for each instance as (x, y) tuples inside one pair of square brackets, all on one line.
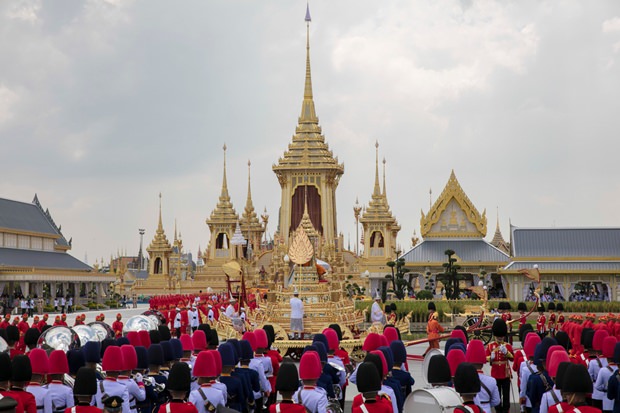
[(492, 356), (138, 378), (503, 349)]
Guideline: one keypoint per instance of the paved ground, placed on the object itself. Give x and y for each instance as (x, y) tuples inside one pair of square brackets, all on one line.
[(415, 367)]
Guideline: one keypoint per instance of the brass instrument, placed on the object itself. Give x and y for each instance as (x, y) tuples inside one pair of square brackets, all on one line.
[(59, 338)]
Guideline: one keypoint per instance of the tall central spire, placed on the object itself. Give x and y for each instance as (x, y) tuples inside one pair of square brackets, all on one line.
[(308, 113), (377, 190), (224, 195)]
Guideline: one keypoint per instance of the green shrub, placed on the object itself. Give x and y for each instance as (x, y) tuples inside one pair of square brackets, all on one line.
[(48, 309)]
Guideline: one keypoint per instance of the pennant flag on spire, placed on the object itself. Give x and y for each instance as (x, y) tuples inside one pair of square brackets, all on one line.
[(308, 19)]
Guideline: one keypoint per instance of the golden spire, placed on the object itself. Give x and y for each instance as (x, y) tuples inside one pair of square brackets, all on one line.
[(160, 242), (224, 212), (224, 193), (249, 220), (384, 190), (377, 190), (308, 113), (175, 229)]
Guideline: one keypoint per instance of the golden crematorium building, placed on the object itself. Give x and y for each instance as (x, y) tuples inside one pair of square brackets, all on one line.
[(34, 259), (577, 262)]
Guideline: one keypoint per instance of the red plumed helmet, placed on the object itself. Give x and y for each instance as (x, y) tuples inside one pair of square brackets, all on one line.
[(383, 341), (475, 352), (200, 340), (145, 338), (554, 348), (217, 361), (332, 339), (597, 341), (609, 343), (112, 359), (251, 338), (130, 358), (383, 361), (261, 338), (531, 340), (372, 342), (134, 338), (58, 363), (458, 333), (554, 361), (455, 357), (39, 361), (310, 366), (118, 316), (390, 334), (204, 366), (187, 343)]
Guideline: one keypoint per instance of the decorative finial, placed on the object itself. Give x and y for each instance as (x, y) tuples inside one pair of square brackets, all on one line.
[(430, 198), (384, 190)]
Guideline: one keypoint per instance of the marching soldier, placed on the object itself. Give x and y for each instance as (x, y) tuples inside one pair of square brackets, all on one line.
[(489, 394), (286, 384), (112, 364), (597, 362), (84, 389), (155, 383), (467, 384), (61, 395), (117, 326), (206, 398), (499, 355), (551, 326), (179, 382), (369, 385), (604, 374), (539, 382), (21, 375), (312, 397), (234, 385), (576, 385), (135, 386), (553, 396), (560, 310), (37, 385), (541, 321)]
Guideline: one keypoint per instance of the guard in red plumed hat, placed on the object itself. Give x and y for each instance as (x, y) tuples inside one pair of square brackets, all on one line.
[(57, 389), (476, 355), (37, 385), (309, 371), (117, 326), (205, 370), (113, 364)]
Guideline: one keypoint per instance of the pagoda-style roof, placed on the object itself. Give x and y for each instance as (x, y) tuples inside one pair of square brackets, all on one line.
[(565, 242), (160, 241), (453, 215), (308, 150), (378, 210), (224, 212), (469, 251), (23, 217)]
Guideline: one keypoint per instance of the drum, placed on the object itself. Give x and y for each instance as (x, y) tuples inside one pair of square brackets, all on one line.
[(433, 400), (139, 322), (102, 330)]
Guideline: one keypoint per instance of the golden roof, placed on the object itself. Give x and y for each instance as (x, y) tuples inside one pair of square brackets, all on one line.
[(453, 215), (224, 212), (308, 150), (160, 241)]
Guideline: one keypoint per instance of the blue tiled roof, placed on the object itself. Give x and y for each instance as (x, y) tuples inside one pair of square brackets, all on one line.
[(468, 250), (566, 242), (40, 259), (22, 216), (565, 265)]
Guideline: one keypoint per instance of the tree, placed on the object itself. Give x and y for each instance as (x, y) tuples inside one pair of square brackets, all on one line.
[(451, 277), (397, 278)]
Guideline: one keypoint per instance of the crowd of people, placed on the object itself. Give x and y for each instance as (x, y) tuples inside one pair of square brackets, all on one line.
[(565, 364)]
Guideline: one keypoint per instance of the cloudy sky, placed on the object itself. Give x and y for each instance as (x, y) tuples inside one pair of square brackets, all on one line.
[(105, 104)]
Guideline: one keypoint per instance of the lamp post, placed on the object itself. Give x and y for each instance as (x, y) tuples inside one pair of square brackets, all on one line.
[(356, 212)]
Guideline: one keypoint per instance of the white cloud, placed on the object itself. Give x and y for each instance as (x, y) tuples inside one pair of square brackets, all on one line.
[(25, 10), (611, 25)]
